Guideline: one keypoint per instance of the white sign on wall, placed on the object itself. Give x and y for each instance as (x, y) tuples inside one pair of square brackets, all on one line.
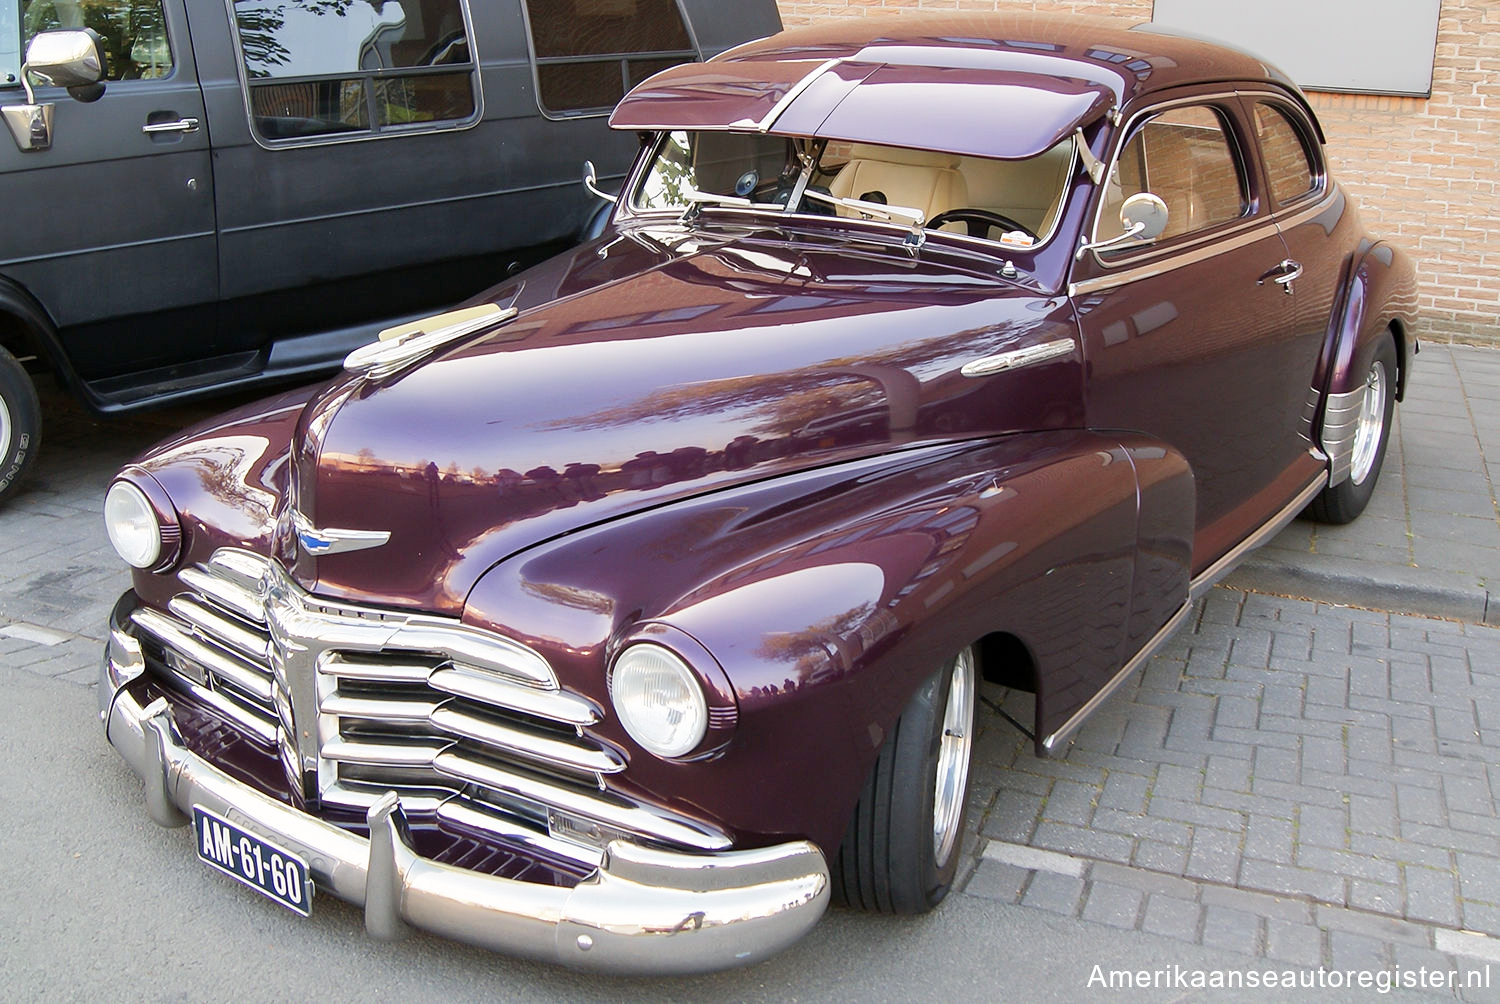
[(1356, 46)]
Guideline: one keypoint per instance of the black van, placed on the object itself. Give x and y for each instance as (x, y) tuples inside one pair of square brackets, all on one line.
[(207, 194)]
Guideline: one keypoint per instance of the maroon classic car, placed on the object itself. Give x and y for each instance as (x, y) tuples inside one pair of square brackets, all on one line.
[(630, 613)]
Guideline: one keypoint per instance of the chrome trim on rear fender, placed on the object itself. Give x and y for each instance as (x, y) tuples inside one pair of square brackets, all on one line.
[(1340, 427)]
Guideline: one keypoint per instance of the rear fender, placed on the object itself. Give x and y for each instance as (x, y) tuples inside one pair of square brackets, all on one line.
[(1380, 295)]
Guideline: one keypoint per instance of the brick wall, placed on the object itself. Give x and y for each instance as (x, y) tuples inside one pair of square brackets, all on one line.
[(1423, 171)]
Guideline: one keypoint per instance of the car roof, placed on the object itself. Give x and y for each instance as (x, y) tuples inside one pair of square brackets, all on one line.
[(993, 85)]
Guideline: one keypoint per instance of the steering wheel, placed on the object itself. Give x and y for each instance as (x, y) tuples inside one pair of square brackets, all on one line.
[(980, 221)]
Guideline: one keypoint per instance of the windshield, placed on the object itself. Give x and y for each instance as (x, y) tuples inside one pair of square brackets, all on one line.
[(1012, 202)]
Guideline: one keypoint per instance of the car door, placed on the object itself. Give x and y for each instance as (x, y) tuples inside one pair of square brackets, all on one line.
[(1191, 339), (111, 227)]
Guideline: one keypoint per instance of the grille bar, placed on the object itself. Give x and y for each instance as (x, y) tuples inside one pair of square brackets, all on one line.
[(627, 817), (557, 706), (226, 592), (247, 642), (527, 744), (254, 681)]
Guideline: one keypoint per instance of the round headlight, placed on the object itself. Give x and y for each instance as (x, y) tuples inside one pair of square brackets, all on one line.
[(132, 525), (659, 700)]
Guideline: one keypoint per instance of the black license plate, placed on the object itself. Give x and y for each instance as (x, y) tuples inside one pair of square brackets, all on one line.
[(270, 870)]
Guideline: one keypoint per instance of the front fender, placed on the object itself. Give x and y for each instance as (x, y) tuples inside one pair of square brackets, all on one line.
[(826, 597)]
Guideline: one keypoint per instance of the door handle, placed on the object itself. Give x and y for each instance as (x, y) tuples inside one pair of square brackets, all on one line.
[(181, 125), (1282, 274)]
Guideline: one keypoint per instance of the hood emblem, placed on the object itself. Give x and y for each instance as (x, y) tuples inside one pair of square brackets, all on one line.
[(330, 541)]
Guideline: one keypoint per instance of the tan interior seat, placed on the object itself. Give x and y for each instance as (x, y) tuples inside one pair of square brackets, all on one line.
[(916, 179), (1028, 191)]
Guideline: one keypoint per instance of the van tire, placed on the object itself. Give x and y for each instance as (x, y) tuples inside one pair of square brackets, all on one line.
[(20, 424)]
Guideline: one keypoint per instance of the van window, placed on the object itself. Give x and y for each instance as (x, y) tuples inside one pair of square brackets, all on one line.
[(320, 68), (134, 32), (590, 52), (10, 45)]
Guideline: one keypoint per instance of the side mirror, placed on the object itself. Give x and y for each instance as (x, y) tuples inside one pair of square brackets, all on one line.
[(71, 58), (591, 182), (1144, 217)]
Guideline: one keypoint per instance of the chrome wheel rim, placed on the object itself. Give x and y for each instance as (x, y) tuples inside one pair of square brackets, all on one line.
[(953, 758), (4, 430), (1371, 424)]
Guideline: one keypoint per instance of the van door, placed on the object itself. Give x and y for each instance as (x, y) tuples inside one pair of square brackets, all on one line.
[(374, 160), (112, 227)]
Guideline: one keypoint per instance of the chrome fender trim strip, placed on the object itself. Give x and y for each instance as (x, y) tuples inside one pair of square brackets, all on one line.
[(1016, 358)]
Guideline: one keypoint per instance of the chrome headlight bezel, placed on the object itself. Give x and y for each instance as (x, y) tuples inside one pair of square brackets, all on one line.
[(659, 700), (142, 525)]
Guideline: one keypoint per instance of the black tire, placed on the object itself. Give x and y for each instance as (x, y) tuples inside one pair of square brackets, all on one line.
[(20, 424), (892, 859), (1343, 502)]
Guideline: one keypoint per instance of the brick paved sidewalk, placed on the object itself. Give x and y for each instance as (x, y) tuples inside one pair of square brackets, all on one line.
[(1311, 784)]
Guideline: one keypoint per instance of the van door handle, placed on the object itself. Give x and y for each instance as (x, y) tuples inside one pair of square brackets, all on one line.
[(181, 125)]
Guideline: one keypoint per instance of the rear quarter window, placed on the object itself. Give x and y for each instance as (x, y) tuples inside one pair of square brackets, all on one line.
[(1289, 166)]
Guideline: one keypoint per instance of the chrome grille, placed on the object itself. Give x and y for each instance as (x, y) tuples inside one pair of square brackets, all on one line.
[(459, 721)]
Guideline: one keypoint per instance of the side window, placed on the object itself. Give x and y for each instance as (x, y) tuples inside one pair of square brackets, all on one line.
[(134, 31), (10, 45), (319, 68), (1185, 157), (590, 52), (1287, 162)]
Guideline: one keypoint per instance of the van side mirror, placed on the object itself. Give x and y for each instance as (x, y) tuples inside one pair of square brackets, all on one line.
[(73, 58)]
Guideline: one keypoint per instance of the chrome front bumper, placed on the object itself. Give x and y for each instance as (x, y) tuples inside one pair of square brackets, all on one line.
[(643, 911)]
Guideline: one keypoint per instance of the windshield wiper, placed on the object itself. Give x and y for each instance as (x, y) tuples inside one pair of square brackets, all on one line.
[(913, 218), (697, 200)]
